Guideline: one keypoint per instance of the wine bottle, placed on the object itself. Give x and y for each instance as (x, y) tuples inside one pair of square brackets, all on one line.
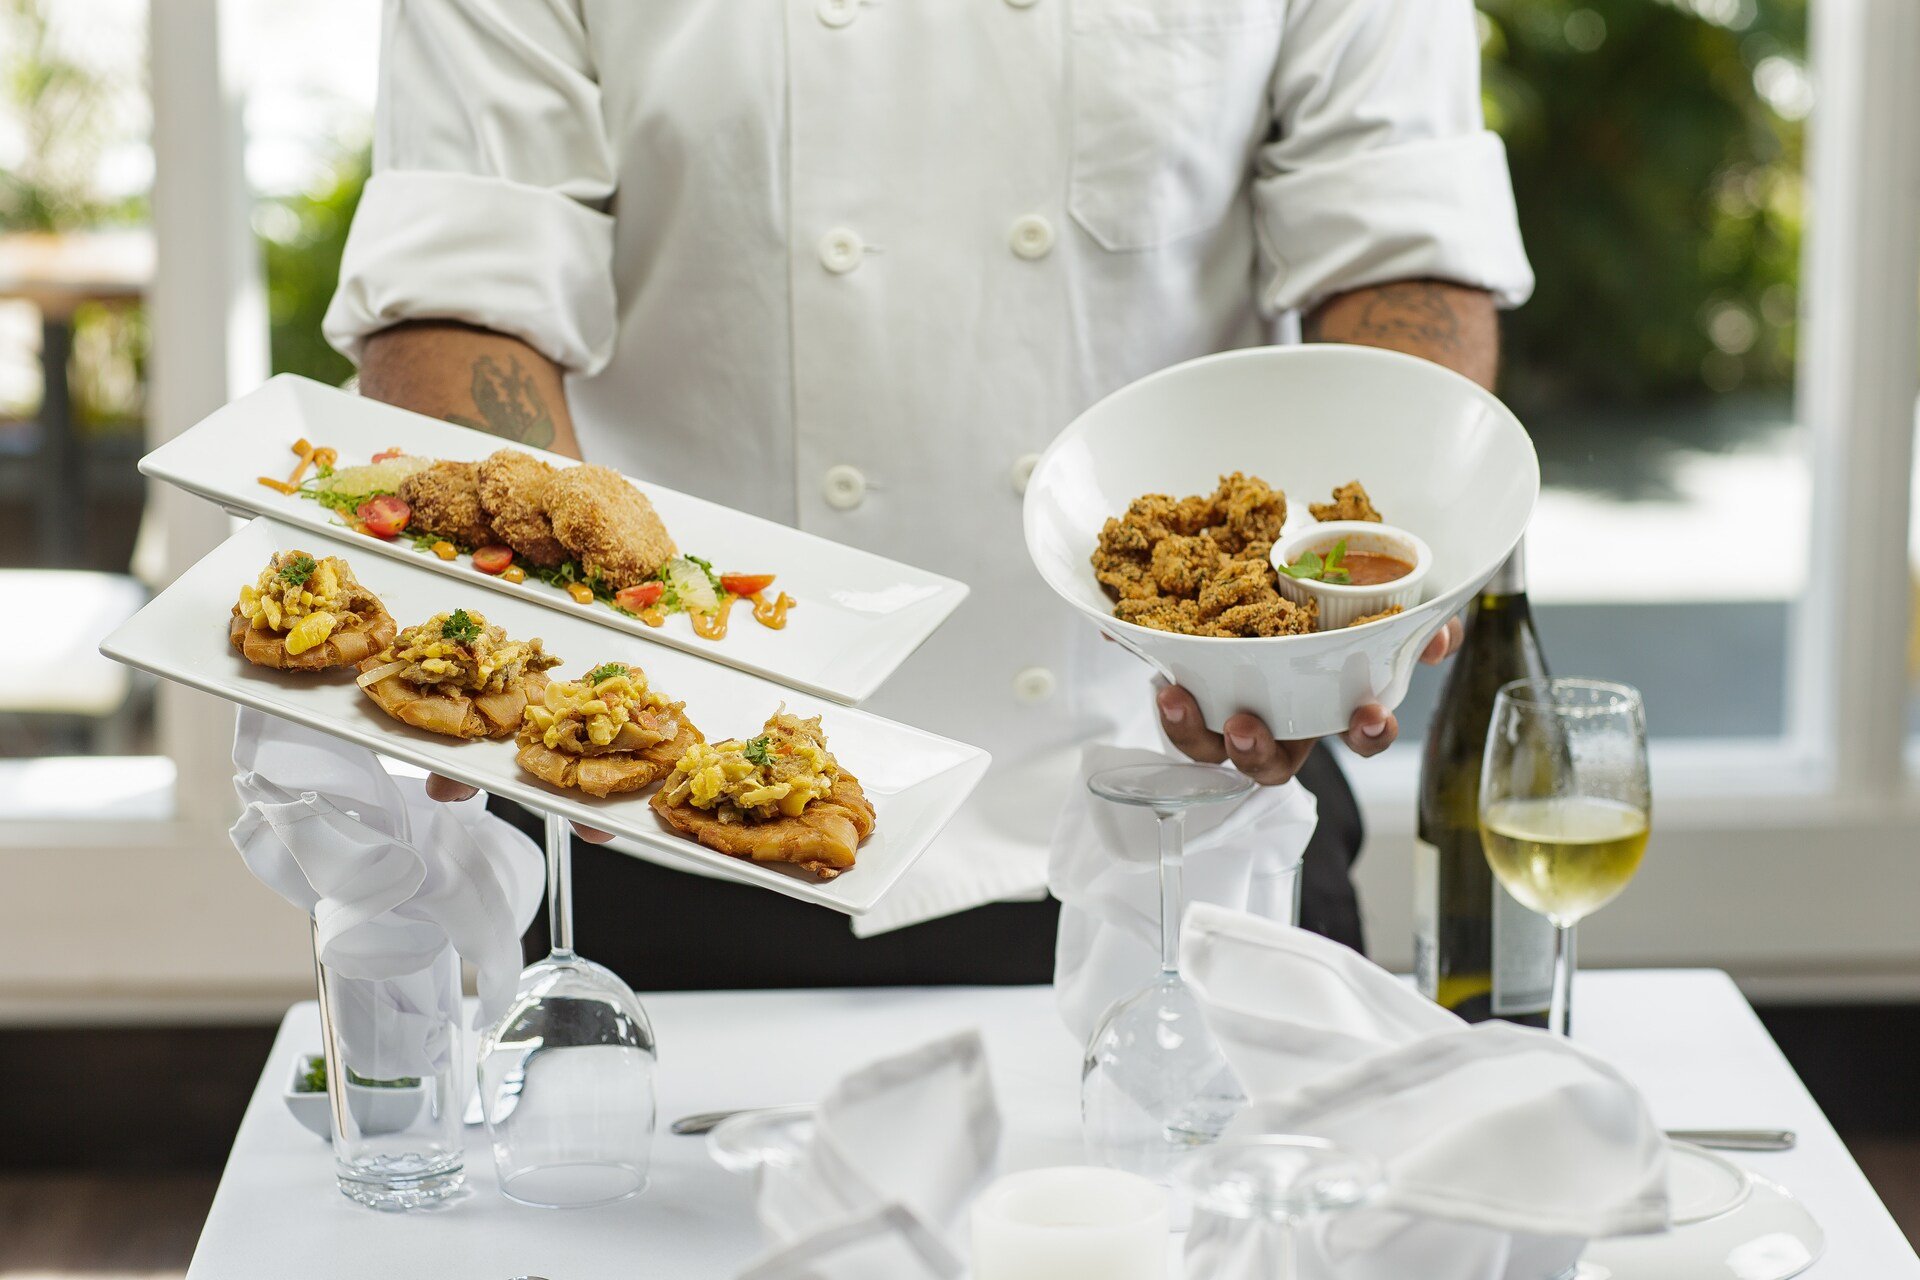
[(1476, 950)]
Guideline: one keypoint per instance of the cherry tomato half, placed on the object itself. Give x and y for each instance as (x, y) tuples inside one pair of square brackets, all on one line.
[(388, 455), (634, 599), (384, 516), (493, 560), (745, 584)]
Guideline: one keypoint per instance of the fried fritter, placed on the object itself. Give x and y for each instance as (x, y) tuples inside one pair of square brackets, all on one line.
[(1350, 502), (607, 524), (446, 500), (1365, 618), (1182, 565), (1246, 510), (1237, 582), (1276, 617), (513, 487), (1162, 613)]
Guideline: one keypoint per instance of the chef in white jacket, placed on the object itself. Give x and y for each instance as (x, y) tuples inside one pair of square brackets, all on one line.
[(851, 264)]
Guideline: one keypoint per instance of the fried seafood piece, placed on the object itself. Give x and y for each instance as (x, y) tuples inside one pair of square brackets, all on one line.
[(458, 675), (780, 797), (445, 499), (1125, 577), (607, 524), (608, 732), (513, 491), (1350, 502), (1237, 582), (1182, 565), (303, 614), (1246, 509), (1163, 613), (1365, 618), (1276, 617)]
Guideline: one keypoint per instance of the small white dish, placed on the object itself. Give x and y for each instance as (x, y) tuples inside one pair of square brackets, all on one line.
[(859, 615), (1342, 602), (916, 780), (1728, 1224), (376, 1108), (1438, 454)]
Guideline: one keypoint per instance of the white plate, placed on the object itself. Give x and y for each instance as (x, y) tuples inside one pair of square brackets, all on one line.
[(1728, 1224), (1441, 456), (915, 779), (860, 615)]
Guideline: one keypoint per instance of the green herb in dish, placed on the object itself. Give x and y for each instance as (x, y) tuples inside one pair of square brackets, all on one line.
[(606, 671), (296, 572), (460, 627), (1313, 567), (759, 751)]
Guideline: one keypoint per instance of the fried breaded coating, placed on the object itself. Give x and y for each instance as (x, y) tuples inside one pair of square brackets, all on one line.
[(1235, 583), (1276, 617), (1182, 565), (1350, 502), (1365, 618), (1246, 510), (607, 524), (1162, 613), (513, 489), (446, 500)]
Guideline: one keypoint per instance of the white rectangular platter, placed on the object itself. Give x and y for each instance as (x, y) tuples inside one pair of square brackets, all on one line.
[(916, 780), (859, 615)]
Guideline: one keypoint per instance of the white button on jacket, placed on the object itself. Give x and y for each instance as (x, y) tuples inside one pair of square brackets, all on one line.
[(648, 193)]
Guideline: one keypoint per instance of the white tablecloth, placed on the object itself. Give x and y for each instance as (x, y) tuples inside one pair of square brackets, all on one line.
[(1687, 1036)]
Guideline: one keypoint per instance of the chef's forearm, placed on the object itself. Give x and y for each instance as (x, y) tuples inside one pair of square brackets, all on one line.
[(474, 377), (1448, 324)]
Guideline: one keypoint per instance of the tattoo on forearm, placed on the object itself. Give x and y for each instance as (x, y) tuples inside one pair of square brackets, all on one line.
[(509, 404), (1414, 311)]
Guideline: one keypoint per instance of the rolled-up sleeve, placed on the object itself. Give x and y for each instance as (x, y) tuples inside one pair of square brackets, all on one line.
[(492, 179), (1380, 166)]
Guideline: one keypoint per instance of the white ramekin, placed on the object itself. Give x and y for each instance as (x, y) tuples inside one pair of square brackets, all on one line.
[(1341, 603)]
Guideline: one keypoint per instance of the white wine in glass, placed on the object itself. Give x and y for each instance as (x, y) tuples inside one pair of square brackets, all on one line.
[(1565, 804)]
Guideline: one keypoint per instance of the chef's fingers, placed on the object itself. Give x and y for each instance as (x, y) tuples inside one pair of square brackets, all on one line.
[(592, 835), (1372, 730), (447, 790), (1251, 747), (1180, 721), (1445, 642)]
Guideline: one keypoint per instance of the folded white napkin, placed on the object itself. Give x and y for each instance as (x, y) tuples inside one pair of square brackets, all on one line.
[(391, 878), (1105, 870), (899, 1149), (1504, 1148)]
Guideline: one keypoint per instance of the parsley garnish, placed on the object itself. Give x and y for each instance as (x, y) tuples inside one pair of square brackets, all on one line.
[(606, 671), (460, 627), (759, 751), (297, 571), (1316, 568)]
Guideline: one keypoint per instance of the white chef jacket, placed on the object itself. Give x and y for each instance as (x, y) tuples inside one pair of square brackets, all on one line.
[(851, 264)]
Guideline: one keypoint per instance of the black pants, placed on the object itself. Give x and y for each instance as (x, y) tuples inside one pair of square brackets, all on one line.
[(667, 931)]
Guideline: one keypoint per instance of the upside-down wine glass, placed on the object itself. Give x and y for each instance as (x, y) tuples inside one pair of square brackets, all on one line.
[(1153, 1084), (566, 1077), (1565, 804)]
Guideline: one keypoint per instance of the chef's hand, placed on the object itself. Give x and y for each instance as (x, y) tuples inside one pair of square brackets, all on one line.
[(447, 791), (1251, 746)]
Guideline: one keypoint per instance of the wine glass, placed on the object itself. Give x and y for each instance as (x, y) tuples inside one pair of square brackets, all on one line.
[(1154, 1084), (1565, 804), (1253, 1196), (566, 1077)]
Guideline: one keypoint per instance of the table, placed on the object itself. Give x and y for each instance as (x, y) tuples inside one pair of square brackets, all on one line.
[(59, 273), (1687, 1036)]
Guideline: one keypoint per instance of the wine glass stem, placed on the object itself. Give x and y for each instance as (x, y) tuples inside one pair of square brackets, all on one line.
[(1173, 894), (559, 885), (1562, 979)]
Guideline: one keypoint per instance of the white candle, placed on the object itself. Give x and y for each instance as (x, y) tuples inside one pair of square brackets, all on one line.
[(1070, 1224)]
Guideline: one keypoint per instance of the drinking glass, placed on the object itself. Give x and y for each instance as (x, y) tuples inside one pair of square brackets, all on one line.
[(1154, 1084), (1565, 804), (1255, 1198), (394, 1067), (566, 1077)]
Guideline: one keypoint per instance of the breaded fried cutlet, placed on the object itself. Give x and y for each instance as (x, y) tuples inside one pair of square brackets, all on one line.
[(446, 500), (513, 493), (1350, 502), (607, 524)]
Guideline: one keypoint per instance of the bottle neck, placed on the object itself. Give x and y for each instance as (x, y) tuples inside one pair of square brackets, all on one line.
[(1510, 579)]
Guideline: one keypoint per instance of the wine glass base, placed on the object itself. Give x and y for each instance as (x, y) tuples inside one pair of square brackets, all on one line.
[(573, 1186), (401, 1193)]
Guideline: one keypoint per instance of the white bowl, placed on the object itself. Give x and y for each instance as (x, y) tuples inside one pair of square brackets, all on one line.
[(1439, 455), (1342, 602), (376, 1109)]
